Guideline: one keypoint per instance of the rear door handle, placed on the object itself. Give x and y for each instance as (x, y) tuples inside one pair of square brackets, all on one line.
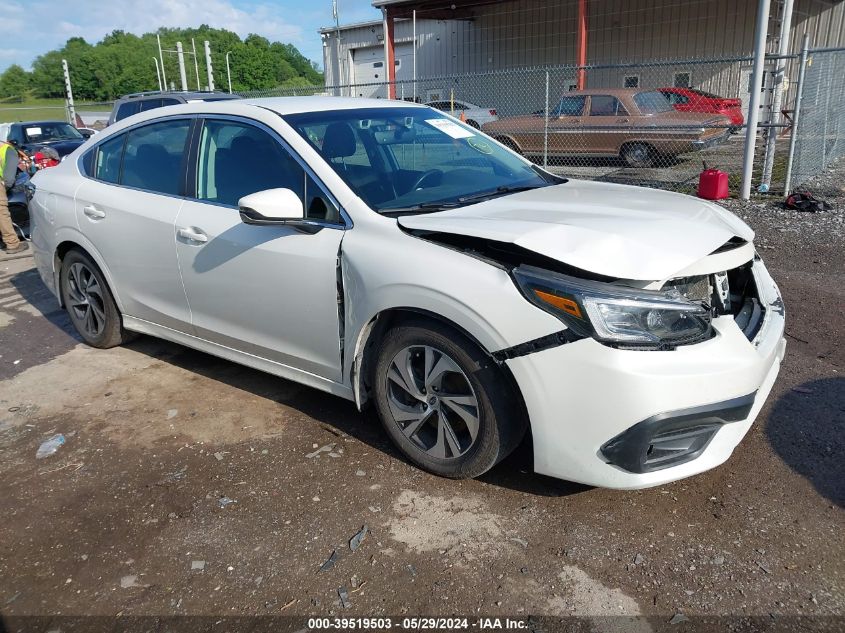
[(93, 212), (193, 235)]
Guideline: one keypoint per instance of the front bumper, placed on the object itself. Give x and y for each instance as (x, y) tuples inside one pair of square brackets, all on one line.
[(583, 395)]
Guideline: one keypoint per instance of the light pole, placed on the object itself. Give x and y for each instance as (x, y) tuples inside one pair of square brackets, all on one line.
[(158, 75), (228, 72)]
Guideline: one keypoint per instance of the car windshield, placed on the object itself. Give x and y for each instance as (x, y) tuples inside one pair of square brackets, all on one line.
[(50, 131), (652, 102), (411, 160)]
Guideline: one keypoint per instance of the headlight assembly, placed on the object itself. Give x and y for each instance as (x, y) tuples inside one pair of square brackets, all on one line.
[(616, 315)]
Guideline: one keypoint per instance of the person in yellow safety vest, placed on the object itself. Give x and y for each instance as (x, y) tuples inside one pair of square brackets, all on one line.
[(8, 171)]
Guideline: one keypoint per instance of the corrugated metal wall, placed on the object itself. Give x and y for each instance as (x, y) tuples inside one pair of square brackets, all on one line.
[(540, 33)]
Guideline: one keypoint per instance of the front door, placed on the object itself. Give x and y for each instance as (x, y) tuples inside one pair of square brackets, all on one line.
[(127, 209), (270, 291), (565, 127)]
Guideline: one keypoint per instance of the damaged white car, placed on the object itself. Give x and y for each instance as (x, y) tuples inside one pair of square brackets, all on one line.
[(385, 252)]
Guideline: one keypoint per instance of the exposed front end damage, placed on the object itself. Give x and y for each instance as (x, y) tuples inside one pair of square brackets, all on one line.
[(630, 417)]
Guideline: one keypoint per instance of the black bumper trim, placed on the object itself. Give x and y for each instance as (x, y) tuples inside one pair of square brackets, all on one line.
[(675, 437), (537, 345)]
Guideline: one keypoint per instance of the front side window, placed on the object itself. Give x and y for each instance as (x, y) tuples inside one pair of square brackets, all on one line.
[(237, 159), (652, 102), (570, 106), (153, 156), (412, 159)]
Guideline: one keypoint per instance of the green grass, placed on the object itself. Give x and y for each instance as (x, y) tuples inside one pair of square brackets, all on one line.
[(33, 109)]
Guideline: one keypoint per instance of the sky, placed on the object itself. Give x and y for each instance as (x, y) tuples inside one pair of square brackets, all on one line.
[(33, 27)]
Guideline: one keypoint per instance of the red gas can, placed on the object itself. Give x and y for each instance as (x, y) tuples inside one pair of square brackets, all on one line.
[(713, 184)]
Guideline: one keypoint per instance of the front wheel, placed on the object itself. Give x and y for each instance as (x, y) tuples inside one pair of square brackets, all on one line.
[(444, 403), (89, 302)]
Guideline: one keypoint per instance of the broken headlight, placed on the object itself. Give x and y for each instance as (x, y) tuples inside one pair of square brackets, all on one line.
[(616, 315)]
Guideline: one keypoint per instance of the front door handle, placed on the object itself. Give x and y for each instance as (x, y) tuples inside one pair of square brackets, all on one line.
[(193, 235), (624, 121), (93, 212)]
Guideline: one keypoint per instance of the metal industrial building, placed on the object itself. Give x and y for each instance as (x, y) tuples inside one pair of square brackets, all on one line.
[(457, 38)]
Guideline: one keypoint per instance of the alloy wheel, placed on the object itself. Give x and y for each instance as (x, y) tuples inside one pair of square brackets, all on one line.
[(432, 401), (85, 299)]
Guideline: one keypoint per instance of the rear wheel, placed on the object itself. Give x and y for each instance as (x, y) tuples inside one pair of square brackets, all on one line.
[(474, 124), (446, 406), (89, 302), (638, 155)]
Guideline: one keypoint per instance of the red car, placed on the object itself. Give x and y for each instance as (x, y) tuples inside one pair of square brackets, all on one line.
[(692, 100)]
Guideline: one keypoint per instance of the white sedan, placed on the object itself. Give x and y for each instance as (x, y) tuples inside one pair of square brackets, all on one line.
[(383, 252), (474, 115)]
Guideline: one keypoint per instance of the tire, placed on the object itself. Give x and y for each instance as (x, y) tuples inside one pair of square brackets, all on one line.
[(89, 302), (638, 155), (474, 124), (434, 428)]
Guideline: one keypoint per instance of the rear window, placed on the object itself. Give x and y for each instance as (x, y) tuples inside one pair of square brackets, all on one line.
[(652, 102)]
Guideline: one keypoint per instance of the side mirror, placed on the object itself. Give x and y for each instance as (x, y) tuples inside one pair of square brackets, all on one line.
[(271, 207), (86, 134)]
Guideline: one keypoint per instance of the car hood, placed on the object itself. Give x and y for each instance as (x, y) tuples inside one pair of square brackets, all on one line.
[(63, 148), (614, 230)]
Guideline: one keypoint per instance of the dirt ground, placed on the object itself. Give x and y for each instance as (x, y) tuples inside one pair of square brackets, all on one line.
[(192, 486)]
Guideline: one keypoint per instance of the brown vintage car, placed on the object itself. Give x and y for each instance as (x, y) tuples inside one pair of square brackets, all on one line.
[(637, 125)]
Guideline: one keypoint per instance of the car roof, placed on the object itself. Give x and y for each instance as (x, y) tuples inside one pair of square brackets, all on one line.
[(292, 105), (189, 94), (614, 92), (44, 122)]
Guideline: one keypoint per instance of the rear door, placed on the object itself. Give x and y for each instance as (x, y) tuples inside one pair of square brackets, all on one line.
[(607, 125), (269, 291), (127, 208)]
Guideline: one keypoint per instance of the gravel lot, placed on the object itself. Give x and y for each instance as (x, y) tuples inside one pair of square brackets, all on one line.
[(189, 485)]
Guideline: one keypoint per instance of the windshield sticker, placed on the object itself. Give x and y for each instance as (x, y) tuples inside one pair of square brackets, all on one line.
[(33, 131), (448, 127), (479, 145)]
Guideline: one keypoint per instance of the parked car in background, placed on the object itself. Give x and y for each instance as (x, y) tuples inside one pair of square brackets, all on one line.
[(31, 136), (382, 251), (638, 126), (692, 100), (142, 101), (474, 115)]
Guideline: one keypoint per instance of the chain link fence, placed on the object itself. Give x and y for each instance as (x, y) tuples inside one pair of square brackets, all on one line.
[(820, 129), (653, 124)]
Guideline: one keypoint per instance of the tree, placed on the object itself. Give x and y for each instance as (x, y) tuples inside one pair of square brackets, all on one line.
[(122, 63), (14, 81)]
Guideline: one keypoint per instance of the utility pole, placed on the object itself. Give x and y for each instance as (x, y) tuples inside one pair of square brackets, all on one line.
[(158, 75), (208, 71), (181, 55), (70, 109), (228, 72), (161, 60), (196, 63)]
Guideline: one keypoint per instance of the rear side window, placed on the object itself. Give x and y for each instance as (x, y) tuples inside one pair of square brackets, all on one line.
[(606, 105), (127, 109), (153, 156), (108, 159)]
